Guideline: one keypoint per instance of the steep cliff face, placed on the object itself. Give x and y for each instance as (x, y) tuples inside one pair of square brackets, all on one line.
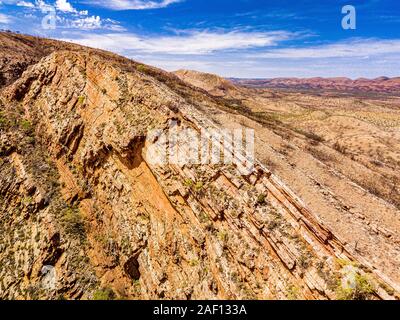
[(86, 212)]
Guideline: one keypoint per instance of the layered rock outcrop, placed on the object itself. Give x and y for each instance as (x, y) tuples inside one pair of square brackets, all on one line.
[(85, 210)]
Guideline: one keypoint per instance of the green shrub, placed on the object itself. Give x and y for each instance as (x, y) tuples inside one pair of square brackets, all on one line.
[(81, 99), (292, 292), (199, 186), (189, 183), (194, 262), (27, 201), (261, 199), (73, 222), (223, 236), (362, 289), (26, 126), (104, 294), (141, 68)]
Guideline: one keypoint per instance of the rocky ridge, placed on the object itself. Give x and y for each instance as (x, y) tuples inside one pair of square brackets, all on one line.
[(85, 213)]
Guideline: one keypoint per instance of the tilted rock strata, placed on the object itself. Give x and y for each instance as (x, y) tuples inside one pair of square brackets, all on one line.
[(82, 198)]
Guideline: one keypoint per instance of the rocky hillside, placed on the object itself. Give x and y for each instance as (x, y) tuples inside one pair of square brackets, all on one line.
[(215, 85), (18, 52), (85, 212)]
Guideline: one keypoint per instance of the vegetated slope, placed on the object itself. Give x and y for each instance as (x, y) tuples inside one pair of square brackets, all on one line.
[(85, 213)]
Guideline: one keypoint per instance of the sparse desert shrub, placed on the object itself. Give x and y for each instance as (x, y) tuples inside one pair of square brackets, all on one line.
[(304, 261), (370, 186), (189, 183), (73, 222), (223, 236), (270, 164), (104, 294), (33, 292), (136, 286), (27, 201), (261, 199), (26, 126), (83, 73), (194, 262), (310, 135), (272, 225), (198, 186), (292, 292), (340, 148), (30, 140), (332, 279), (81, 99), (362, 289), (141, 68), (320, 155)]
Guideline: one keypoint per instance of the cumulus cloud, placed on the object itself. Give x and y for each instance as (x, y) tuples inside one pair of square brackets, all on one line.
[(64, 6), (88, 23)]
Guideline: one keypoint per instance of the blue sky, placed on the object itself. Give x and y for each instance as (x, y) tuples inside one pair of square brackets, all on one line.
[(240, 38)]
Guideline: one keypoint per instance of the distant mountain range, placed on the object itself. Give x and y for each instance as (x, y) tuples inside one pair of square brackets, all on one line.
[(381, 84)]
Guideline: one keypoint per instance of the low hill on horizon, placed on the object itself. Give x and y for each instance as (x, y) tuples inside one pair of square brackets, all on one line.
[(340, 84)]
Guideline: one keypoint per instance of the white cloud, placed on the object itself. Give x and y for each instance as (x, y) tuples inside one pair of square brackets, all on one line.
[(235, 65), (25, 4), (352, 48), (4, 19), (219, 53), (43, 6), (93, 22), (64, 6), (133, 4), (66, 15), (191, 42)]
